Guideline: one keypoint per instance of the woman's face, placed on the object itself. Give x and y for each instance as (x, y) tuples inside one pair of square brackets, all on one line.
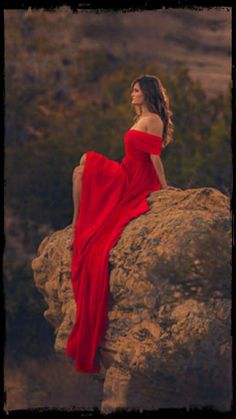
[(137, 97)]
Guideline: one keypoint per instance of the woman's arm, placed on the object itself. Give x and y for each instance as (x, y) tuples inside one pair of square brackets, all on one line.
[(158, 166), (154, 125)]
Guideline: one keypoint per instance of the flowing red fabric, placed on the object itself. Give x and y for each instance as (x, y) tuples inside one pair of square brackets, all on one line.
[(112, 195)]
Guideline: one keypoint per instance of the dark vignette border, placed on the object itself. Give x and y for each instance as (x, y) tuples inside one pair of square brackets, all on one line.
[(124, 7)]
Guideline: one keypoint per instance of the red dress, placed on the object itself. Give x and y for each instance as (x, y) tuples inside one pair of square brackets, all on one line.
[(112, 195)]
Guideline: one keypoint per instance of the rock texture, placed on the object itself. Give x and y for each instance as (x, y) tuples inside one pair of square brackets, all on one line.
[(168, 342)]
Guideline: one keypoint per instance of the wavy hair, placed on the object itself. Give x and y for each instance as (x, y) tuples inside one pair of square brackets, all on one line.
[(157, 101)]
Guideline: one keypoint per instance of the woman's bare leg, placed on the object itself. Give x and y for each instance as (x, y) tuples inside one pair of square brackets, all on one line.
[(76, 193)]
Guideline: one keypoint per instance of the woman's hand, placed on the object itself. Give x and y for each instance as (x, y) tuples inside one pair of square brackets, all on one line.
[(172, 187)]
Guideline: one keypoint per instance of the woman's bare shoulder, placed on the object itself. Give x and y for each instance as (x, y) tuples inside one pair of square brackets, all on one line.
[(153, 117), (154, 124)]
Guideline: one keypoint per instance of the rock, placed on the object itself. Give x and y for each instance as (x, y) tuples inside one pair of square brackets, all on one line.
[(168, 342)]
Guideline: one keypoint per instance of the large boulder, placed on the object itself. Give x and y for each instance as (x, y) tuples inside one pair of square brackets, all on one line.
[(168, 341)]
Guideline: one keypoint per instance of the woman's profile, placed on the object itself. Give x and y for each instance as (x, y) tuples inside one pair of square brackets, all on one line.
[(107, 195)]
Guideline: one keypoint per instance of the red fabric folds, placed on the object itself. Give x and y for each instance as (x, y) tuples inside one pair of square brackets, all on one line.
[(112, 195)]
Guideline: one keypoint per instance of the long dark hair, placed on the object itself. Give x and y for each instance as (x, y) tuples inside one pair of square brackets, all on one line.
[(157, 101)]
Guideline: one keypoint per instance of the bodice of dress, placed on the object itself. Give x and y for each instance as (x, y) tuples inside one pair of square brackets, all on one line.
[(139, 144), (137, 163)]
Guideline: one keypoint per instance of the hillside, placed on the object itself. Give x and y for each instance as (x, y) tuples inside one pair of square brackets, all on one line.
[(200, 38)]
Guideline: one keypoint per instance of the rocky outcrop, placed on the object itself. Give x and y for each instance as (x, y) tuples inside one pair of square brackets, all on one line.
[(168, 342)]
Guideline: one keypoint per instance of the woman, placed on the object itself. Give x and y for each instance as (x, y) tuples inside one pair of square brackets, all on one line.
[(152, 116), (112, 195)]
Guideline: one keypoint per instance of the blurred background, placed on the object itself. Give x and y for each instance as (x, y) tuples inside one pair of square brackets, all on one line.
[(67, 90)]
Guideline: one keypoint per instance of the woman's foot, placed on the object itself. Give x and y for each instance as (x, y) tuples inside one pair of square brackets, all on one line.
[(71, 241)]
